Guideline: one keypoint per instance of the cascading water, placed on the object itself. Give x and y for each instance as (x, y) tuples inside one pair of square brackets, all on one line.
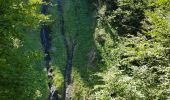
[(45, 39)]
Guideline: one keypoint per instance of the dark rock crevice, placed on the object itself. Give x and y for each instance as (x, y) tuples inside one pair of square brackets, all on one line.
[(70, 46)]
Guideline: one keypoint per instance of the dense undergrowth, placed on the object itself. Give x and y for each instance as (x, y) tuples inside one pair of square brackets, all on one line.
[(133, 39)]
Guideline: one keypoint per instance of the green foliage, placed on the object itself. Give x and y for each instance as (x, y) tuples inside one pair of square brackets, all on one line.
[(125, 15), (19, 64), (131, 40), (138, 62)]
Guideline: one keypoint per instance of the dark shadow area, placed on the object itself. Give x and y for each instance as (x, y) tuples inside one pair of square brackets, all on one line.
[(127, 18)]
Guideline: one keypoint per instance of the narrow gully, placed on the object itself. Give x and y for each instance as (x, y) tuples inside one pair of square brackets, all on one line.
[(45, 40), (70, 46)]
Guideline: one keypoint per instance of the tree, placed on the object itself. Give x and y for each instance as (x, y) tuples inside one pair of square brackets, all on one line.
[(17, 73)]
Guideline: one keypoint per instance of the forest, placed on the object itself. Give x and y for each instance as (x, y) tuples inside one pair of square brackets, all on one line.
[(84, 49)]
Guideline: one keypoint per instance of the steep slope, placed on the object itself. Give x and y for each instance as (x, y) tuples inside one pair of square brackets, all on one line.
[(73, 47)]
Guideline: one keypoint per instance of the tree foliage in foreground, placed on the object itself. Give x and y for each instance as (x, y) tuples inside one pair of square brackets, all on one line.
[(18, 77)]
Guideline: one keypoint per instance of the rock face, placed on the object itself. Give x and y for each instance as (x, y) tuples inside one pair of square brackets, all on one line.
[(92, 58)]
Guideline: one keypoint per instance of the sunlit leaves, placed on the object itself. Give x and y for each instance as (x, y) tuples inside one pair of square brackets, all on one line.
[(138, 66)]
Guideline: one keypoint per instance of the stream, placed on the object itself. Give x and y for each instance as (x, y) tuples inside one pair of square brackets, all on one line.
[(45, 40), (70, 46)]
